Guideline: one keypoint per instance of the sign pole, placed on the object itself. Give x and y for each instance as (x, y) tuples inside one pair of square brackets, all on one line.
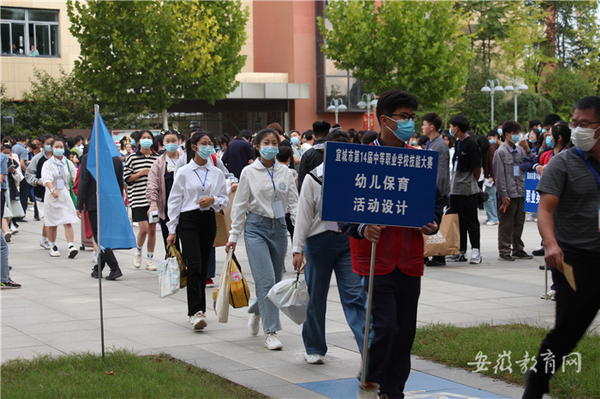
[(363, 377), (96, 112)]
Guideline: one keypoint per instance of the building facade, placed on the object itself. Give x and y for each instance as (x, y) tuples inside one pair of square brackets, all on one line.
[(286, 78)]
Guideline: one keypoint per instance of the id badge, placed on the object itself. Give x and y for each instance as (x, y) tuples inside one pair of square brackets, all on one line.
[(516, 171), (278, 209), (455, 165), (60, 184), (332, 226), (200, 196)]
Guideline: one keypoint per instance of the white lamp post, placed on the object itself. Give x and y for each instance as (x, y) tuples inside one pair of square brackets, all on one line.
[(518, 84), (371, 102), (337, 105), (492, 86)]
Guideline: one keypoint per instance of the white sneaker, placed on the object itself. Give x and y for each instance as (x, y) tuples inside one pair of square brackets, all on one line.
[(368, 391), (254, 323), (94, 257), (272, 342), (45, 243), (475, 257), (14, 230), (54, 252), (150, 266), (7, 236), (491, 223), (198, 321), (136, 224), (314, 359), (530, 219), (72, 252), (137, 260)]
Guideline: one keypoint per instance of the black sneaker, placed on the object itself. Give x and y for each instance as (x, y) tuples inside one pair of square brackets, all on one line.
[(506, 258), (95, 271), (435, 262), (522, 255), (10, 285), (114, 274), (539, 252), (456, 258)]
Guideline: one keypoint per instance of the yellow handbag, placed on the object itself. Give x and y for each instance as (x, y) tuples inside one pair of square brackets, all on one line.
[(239, 293)]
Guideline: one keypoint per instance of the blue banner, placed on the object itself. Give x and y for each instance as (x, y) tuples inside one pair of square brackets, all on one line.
[(114, 229), (379, 185), (532, 197)]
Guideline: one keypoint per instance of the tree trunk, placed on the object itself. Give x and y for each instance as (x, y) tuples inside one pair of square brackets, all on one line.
[(165, 119)]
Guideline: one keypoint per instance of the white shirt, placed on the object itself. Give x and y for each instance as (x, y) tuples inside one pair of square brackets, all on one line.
[(255, 194), (193, 182), (310, 206), (230, 177)]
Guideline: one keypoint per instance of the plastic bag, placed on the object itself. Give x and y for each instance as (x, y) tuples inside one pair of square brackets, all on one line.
[(291, 297), (172, 252), (168, 277)]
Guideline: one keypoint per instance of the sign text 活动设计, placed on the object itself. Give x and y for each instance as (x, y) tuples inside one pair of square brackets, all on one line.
[(379, 185)]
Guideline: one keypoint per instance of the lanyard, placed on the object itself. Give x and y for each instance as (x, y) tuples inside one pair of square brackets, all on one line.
[(271, 176), (515, 154), (174, 164), (589, 165), (203, 182), (59, 166)]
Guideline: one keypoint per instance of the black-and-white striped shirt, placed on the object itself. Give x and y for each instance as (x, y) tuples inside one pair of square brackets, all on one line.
[(136, 190)]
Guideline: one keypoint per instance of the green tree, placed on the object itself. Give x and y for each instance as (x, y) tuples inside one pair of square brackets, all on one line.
[(152, 54), (474, 104), (414, 46), (7, 128), (564, 86), (53, 104), (529, 106)]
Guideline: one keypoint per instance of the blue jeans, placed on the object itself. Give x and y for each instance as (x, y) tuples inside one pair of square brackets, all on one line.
[(266, 246), (325, 253), (491, 205), (5, 275)]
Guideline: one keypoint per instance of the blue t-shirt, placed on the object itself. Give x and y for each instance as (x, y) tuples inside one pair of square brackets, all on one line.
[(4, 170)]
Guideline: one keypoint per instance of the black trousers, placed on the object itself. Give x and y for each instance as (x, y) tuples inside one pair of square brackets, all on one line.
[(107, 256), (393, 328), (24, 188), (466, 207), (575, 311), (197, 231)]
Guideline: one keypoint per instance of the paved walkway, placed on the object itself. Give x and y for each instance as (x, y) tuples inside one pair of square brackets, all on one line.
[(57, 312)]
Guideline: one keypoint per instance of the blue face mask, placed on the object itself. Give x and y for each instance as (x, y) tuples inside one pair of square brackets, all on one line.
[(48, 148), (515, 138), (146, 143), (171, 147), (532, 141), (268, 152), (205, 151), (58, 152), (549, 142), (219, 148), (543, 131), (132, 142), (295, 140), (450, 132), (500, 131), (492, 141), (404, 128)]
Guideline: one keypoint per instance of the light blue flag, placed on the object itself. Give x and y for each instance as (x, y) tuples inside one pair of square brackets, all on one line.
[(115, 230)]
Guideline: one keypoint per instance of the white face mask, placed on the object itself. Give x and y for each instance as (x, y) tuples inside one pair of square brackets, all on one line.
[(583, 138)]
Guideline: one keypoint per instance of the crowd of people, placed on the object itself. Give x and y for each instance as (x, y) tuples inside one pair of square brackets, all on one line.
[(176, 184)]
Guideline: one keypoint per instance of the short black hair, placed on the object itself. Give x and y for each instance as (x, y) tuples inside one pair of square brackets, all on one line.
[(275, 126), (6, 147), (551, 119), (493, 133), (369, 137), (308, 135), (321, 128), (422, 140), (589, 102), (391, 100), (23, 137), (285, 153), (511, 127), (534, 122), (46, 137), (452, 140), (433, 119), (460, 121), (245, 134), (561, 129), (338, 135)]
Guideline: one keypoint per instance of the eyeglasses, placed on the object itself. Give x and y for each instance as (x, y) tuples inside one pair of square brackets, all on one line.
[(406, 117), (583, 124)]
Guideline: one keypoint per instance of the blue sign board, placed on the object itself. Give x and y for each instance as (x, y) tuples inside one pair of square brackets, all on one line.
[(379, 185), (532, 197)]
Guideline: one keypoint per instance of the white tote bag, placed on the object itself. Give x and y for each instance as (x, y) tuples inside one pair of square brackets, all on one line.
[(168, 277), (222, 304), (291, 297)]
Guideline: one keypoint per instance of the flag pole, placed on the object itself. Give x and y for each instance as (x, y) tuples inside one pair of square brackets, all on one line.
[(96, 112), (365, 354)]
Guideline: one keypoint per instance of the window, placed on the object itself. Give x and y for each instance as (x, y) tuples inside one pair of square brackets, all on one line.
[(29, 32)]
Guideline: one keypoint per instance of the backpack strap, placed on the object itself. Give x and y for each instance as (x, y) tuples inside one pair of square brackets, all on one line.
[(214, 158), (317, 179)]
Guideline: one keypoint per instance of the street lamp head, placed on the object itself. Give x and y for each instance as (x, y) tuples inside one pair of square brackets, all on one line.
[(374, 103), (331, 108), (485, 89), (498, 88), (342, 107), (509, 88), (362, 105), (523, 87)]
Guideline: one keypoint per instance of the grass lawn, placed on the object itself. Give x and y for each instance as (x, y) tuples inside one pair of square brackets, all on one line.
[(510, 345), (123, 374)]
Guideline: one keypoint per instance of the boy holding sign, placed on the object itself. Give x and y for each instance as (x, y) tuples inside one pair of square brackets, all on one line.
[(398, 267)]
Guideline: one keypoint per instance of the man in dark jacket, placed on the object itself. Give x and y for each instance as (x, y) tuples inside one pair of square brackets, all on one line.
[(86, 201), (239, 153), (314, 156)]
